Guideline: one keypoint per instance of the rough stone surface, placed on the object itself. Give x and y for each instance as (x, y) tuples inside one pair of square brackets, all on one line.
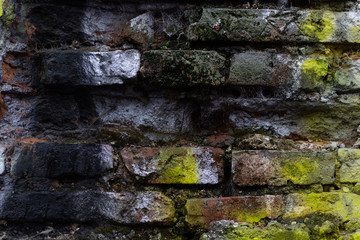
[(90, 206), (347, 77), (155, 114), (90, 68), (183, 68), (264, 25), (251, 168), (260, 68), (52, 160), (175, 165), (20, 73), (223, 230), (140, 29), (87, 25), (350, 165), (343, 205), (2, 159), (202, 212)]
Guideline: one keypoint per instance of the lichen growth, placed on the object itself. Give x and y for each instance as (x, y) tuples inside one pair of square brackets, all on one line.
[(319, 25), (180, 166), (326, 122), (354, 34), (301, 171), (315, 71), (342, 205), (1, 7), (274, 230)]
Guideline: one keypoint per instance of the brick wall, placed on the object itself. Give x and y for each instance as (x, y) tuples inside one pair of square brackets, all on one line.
[(180, 120)]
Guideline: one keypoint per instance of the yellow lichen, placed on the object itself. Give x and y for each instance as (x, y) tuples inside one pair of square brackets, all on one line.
[(301, 171), (314, 72), (319, 25), (354, 34), (344, 205), (1, 7), (179, 166)]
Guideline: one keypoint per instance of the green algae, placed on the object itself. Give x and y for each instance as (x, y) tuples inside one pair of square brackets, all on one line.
[(319, 25), (350, 168), (315, 71), (180, 166), (1, 7)]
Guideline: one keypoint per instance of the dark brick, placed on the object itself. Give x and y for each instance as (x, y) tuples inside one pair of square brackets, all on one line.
[(52, 160)]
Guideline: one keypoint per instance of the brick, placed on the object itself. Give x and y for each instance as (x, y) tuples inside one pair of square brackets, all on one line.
[(251, 168), (90, 68), (183, 68), (157, 115), (203, 212), (260, 68), (183, 165), (346, 77), (20, 72), (53, 160), (273, 230), (89, 206), (350, 165), (140, 29), (45, 25), (343, 205), (263, 25)]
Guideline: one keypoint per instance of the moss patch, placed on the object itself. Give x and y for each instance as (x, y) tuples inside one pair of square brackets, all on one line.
[(319, 25)]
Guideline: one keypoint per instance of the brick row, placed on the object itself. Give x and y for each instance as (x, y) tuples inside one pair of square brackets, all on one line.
[(264, 25), (90, 206), (175, 165), (203, 212)]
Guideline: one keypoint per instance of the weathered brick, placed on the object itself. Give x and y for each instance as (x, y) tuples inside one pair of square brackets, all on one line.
[(183, 68), (202, 212), (157, 115), (350, 165), (183, 165), (343, 205), (260, 68), (90, 68), (53, 160), (20, 72), (251, 168), (263, 25), (346, 77), (140, 29), (46, 26), (89, 206)]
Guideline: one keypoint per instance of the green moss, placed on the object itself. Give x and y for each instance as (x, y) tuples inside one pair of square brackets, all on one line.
[(300, 170), (319, 25), (180, 166), (315, 71)]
